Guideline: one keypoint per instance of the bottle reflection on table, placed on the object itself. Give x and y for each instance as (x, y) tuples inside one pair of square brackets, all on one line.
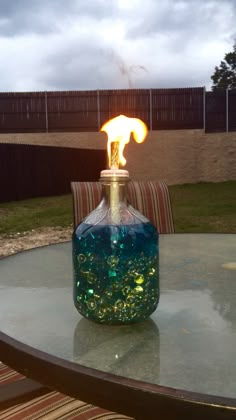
[(132, 351)]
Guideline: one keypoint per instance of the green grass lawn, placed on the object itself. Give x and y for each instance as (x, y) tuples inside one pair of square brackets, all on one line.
[(21, 216), (204, 207)]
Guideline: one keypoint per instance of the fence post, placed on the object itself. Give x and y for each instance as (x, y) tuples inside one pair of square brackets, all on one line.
[(227, 110), (204, 108), (150, 108), (46, 111), (98, 110)]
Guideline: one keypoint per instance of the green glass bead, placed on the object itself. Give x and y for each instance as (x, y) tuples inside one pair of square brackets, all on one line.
[(116, 284)]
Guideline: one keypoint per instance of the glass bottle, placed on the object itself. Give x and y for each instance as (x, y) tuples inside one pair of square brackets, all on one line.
[(115, 258)]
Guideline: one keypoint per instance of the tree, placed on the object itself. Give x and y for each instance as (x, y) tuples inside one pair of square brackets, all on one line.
[(225, 75)]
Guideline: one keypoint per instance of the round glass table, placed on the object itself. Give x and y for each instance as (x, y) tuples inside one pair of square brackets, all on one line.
[(180, 362)]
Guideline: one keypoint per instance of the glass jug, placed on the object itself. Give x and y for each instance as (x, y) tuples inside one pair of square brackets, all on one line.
[(115, 259)]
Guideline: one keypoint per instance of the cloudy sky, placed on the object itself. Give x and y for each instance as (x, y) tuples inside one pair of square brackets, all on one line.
[(112, 44)]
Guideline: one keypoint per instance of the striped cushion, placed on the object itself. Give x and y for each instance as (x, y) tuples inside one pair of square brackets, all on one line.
[(56, 406), (86, 197), (8, 375), (51, 406), (151, 198)]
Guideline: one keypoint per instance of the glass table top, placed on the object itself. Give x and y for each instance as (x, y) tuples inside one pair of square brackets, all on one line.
[(188, 343)]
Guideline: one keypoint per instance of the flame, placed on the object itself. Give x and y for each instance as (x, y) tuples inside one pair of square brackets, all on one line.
[(118, 130)]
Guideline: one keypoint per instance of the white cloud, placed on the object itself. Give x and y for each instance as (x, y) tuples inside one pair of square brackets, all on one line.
[(55, 44)]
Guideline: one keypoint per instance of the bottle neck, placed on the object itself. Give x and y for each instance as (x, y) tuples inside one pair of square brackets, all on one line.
[(114, 191)]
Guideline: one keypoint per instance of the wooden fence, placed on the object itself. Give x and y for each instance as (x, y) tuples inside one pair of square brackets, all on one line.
[(28, 171), (161, 109), (221, 111)]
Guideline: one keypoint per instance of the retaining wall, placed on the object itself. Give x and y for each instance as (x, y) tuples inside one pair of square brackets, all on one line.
[(177, 157)]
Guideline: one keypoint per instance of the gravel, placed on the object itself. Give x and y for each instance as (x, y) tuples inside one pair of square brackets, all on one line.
[(11, 244)]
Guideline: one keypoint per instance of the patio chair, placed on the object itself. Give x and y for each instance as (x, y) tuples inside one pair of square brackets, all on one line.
[(151, 198)]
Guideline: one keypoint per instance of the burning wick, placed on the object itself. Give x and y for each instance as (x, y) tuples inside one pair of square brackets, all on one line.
[(114, 159), (119, 130)]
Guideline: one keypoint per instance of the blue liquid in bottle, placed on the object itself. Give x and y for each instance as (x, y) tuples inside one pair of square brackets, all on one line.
[(116, 273)]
